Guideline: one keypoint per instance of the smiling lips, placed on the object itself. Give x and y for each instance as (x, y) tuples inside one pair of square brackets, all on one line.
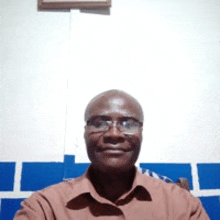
[(114, 150)]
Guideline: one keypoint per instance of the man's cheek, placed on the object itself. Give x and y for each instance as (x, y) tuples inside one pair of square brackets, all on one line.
[(91, 144), (135, 141)]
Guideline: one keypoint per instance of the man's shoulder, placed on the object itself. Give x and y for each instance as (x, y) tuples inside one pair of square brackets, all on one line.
[(169, 191), (65, 185), (49, 199), (173, 195), (58, 191), (158, 186)]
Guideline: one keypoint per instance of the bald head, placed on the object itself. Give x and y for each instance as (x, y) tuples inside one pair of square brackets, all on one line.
[(115, 98), (124, 112)]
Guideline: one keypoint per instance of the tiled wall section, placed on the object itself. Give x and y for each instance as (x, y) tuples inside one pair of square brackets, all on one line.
[(72, 169), (212, 206), (9, 208), (36, 176), (209, 176), (7, 171)]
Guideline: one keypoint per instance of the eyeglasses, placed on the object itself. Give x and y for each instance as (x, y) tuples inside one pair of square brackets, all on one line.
[(126, 126)]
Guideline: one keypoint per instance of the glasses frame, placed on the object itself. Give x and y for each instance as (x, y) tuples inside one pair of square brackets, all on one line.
[(110, 123)]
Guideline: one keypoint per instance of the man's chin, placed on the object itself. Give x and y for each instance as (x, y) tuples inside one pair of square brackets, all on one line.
[(114, 168)]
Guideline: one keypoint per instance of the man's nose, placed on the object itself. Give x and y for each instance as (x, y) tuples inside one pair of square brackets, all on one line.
[(113, 135)]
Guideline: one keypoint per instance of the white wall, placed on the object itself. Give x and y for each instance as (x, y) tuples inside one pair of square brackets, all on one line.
[(165, 53), (34, 67)]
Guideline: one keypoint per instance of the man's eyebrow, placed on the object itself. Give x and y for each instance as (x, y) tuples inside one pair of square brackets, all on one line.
[(108, 118), (129, 118), (102, 117)]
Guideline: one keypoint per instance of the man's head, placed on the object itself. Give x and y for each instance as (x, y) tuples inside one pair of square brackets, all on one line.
[(113, 133)]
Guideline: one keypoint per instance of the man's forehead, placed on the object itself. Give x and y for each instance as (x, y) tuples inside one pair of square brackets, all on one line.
[(117, 101), (110, 103), (113, 103)]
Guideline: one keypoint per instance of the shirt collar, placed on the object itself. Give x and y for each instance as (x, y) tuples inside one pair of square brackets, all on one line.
[(82, 185), (138, 188)]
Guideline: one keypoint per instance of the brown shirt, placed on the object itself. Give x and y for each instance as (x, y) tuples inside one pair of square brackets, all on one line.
[(149, 199)]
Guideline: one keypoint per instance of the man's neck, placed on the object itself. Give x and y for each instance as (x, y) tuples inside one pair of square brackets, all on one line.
[(112, 185)]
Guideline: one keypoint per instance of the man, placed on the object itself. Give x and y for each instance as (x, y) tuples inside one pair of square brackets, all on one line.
[(112, 188)]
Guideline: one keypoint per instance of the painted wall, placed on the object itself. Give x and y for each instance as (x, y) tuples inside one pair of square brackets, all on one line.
[(164, 53)]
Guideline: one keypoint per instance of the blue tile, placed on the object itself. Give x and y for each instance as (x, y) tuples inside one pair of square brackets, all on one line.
[(7, 172), (212, 206), (209, 175), (36, 176), (9, 207), (171, 170), (71, 169)]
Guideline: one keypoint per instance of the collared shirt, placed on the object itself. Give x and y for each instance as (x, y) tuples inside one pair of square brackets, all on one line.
[(149, 199)]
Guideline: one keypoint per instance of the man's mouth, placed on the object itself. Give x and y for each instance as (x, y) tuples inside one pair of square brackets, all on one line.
[(113, 149)]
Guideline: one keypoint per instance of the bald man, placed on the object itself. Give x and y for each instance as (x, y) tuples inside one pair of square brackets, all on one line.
[(112, 188)]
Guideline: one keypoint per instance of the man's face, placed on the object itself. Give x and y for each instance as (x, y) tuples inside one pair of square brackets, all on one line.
[(113, 150)]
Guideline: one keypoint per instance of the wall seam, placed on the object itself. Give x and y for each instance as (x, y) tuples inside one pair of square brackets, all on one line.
[(17, 178)]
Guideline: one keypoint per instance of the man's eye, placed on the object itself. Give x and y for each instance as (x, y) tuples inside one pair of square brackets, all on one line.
[(128, 124), (99, 124)]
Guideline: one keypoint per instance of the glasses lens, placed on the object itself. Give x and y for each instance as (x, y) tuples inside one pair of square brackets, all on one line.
[(129, 126), (97, 125)]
